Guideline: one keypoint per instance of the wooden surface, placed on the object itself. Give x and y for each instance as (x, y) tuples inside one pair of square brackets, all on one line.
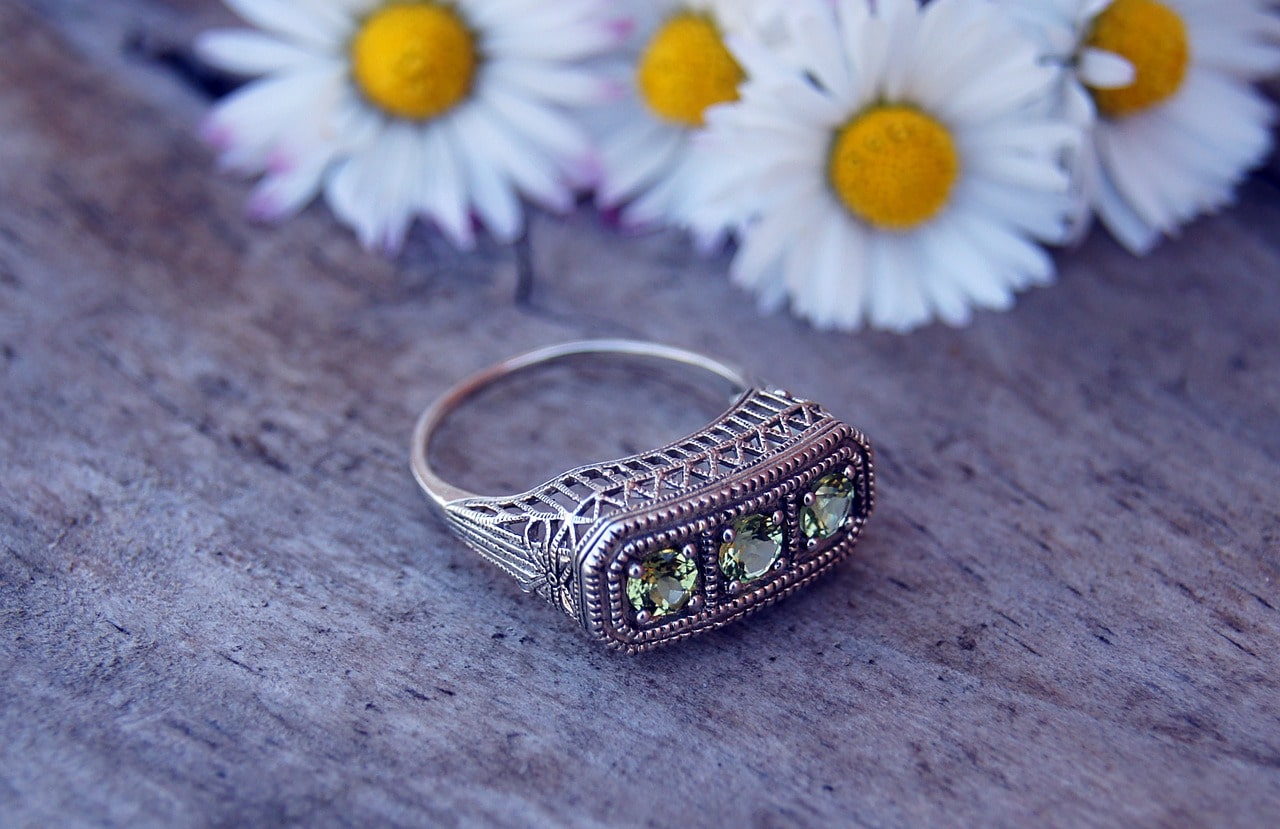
[(224, 601)]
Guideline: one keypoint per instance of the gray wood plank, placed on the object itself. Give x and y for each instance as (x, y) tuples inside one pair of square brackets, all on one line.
[(225, 602)]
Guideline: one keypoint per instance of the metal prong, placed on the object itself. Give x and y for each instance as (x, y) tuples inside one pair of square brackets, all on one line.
[(778, 517), (735, 587), (808, 499), (728, 536), (696, 603), (780, 564), (643, 617), (811, 544), (849, 472), (635, 570), (690, 550)]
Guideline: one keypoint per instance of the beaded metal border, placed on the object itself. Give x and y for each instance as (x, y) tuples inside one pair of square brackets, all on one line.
[(691, 521)]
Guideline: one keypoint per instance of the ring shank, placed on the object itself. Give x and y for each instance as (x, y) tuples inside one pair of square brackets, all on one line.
[(441, 492)]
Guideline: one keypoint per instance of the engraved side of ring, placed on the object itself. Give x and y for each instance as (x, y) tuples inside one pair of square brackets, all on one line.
[(653, 548)]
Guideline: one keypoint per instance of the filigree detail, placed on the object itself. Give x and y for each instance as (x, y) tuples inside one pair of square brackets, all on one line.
[(534, 536)]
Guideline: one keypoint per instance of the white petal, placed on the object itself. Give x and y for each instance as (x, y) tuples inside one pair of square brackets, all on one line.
[(946, 296), (658, 203), (343, 191), (956, 256), (558, 84), (896, 300), (1246, 45), (825, 56), (442, 195), (1031, 173), (761, 246), (491, 193), (294, 21), (1041, 215), (901, 62), (280, 195), (1125, 164), (247, 52), (1105, 70), (575, 42), (630, 165), (1123, 221), (834, 297), (248, 124), (549, 130), (371, 190), (495, 143)]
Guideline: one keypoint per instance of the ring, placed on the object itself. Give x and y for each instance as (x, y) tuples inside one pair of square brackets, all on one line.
[(653, 548)]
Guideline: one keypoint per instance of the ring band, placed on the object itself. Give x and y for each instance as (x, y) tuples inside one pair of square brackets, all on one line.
[(653, 548)]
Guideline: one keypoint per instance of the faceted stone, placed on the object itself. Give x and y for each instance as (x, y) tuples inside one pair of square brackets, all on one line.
[(832, 503), (756, 545), (665, 584)]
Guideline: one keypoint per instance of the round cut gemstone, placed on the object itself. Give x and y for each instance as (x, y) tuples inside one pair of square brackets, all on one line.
[(831, 504), (666, 583), (756, 545)]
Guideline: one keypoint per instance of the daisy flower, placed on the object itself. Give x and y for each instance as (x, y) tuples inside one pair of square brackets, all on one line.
[(395, 109), (676, 65), (890, 167), (1164, 88)]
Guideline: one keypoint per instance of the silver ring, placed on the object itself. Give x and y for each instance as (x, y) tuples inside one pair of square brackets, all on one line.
[(653, 548)]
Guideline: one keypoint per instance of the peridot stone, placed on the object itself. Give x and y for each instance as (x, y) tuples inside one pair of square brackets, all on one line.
[(665, 584), (756, 545), (830, 507)]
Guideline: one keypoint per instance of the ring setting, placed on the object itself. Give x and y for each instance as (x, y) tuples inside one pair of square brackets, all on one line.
[(654, 548)]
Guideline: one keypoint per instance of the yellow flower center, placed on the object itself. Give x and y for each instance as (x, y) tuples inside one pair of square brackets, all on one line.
[(1153, 38), (893, 166), (414, 59), (687, 68)]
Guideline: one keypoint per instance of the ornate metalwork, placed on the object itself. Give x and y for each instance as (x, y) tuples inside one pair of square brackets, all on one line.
[(572, 539)]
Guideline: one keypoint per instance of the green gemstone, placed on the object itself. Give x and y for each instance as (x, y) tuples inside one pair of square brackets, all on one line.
[(756, 545), (832, 503), (666, 583)]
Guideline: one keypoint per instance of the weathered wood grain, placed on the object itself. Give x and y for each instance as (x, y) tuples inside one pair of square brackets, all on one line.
[(224, 601)]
